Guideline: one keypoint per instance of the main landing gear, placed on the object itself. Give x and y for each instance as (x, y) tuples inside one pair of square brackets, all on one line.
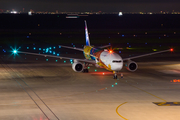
[(85, 70)]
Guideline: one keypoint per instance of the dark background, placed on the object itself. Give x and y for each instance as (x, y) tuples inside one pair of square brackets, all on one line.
[(141, 33)]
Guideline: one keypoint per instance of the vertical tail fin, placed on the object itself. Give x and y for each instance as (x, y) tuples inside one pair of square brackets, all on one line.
[(87, 35)]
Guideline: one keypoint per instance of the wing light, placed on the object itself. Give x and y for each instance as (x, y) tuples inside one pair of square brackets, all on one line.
[(171, 49)]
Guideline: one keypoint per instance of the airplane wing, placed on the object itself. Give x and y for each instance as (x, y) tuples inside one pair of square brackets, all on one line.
[(147, 54), (105, 46), (74, 48), (82, 60), (80, 49)]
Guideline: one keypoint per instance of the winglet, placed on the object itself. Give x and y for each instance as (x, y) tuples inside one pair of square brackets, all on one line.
[(87, 35)]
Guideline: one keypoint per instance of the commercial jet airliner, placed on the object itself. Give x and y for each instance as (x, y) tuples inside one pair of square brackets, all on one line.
[(99, 57)]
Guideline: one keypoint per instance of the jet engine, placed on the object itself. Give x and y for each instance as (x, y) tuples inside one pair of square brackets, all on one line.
[(131, 65), (77, 67)]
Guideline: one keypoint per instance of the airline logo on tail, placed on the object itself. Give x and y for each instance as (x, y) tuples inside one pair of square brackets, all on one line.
[(87, 35)]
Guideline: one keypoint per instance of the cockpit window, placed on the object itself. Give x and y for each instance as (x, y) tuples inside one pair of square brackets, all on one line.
[(116, 61)]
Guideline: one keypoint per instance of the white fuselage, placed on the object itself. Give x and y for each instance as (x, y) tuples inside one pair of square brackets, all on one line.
[(112, 60)]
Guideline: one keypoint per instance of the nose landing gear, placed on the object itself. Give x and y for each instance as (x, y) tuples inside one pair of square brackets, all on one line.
[(115, 74)]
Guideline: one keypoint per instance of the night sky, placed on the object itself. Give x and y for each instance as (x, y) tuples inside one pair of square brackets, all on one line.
[(92, 5)]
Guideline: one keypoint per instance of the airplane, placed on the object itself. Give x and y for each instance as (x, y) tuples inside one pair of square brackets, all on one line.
[(99, 57)]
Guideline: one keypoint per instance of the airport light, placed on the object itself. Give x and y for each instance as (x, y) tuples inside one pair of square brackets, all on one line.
[(112, 85), (15, 51), (116, 83), (27, 47), (56, 60), (64, 61), (95, 70), (46, 59), (34, 48), (57, 54), (39, 48), (54, 47)]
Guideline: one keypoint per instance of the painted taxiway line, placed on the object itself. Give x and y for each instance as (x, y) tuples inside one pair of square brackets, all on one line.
[(118, 112)]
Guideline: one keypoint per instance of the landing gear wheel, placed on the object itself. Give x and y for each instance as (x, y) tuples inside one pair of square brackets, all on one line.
[(85, 70), (115, 76)]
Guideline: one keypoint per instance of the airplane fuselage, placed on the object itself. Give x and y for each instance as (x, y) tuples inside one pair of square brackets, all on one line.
[(104, 58)]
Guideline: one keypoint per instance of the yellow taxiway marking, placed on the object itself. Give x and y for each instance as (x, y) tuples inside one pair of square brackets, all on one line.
[(118, 112)]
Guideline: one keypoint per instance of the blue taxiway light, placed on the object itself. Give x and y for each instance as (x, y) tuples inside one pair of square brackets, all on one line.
[(122, 35), (116, 83), (95, 70), (39, 48), (34, 48), (54, 47), (50, 48), (59, 46), (57, 54), (27, 47), (50, 51), (56, 60), (54, 53), (64, 61), (112, 85), (71, 60), (46, 59)]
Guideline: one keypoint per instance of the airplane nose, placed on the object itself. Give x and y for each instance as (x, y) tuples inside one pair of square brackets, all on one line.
[(117, 67)]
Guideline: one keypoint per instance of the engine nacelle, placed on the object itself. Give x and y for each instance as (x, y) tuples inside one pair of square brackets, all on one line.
[(131, 65), (77, 67)]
